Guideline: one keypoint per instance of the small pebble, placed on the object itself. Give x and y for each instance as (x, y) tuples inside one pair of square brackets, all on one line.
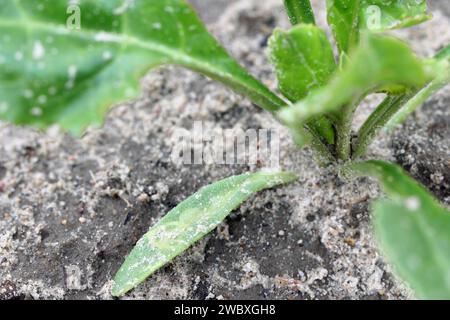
[(350, 241), (82, 220), (143, 198)]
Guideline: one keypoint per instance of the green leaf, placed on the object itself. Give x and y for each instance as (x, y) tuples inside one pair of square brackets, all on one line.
[(418, 97), (348, 17), (343, 18), (304, 60), (382, 15), (396, 108), (376, 121), (50, 74), (392, 63), (299, 11), (444, 53), (190, 221), (413, 230)]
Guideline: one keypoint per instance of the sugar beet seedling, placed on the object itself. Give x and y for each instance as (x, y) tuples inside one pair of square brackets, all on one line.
[(50, 74)]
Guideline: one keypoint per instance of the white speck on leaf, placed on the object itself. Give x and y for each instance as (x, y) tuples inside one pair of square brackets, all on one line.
[(52, 91), (42, 99), (107, 37), (18, 56), (3, 107), (36, 111), (28, 94), (156, 25), (130, 92), (38, 51), (107, 55), (127, 4), (412, 204), (72, 72), (168, 9)]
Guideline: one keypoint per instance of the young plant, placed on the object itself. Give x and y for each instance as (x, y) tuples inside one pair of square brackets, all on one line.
[(50, 74)]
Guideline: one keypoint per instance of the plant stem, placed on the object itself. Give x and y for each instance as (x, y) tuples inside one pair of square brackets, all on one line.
[(324, 154), (303, 135), (419, 98), (376, 121), (343, 133), (394, 110)]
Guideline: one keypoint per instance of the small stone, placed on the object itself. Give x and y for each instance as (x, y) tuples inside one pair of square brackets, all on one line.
[(64, 222), (143, 198), (210, 296), (350, 241), (281, 233), (82, 220)]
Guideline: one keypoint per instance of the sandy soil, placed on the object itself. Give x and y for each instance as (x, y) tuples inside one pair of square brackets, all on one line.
[(71, 209)]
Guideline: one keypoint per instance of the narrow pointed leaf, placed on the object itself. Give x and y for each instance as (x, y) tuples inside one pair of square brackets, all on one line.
[(53, 74), (392, 64), (188, 222), (299, 11), (413, 230)]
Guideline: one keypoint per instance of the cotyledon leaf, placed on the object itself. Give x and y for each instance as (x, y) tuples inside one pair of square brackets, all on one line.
[(52, 72), (348, 17), (304, 60), (412, 228), (392, 64), (188, 222)]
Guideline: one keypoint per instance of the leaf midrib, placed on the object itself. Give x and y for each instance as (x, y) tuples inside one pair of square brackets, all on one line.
[(119, 39), (176, 56)]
